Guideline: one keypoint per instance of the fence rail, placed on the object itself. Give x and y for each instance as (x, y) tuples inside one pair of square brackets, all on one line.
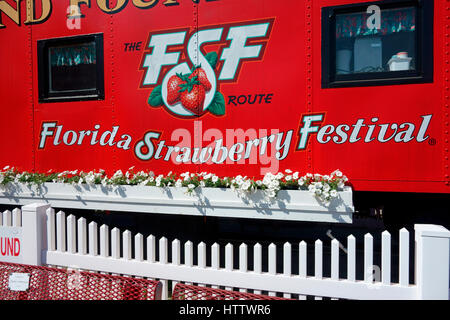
[(73, 243)]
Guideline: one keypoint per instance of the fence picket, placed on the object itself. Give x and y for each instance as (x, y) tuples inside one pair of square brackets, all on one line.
[(126, 245), (386, 258), (318, 256), (334, 259), (151, 249), (115, 243), (243, 256), (163, 251), (17, 217), (257, 263), (215, 259), (71, 234), (188, 255), (93, 238), (272, 263), (404, 257), (176, 256), (201, 253), (318, 262), (61, 231), (115, 254), (104, 241), (351, 258), (7, 218), (229, 260), (82, 236), (51, 231), (368, 258), (139, 247), (287, 264), (302, 263)]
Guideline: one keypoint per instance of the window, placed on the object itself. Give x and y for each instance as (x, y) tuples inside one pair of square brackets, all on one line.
[(377, 43), (71, 69)]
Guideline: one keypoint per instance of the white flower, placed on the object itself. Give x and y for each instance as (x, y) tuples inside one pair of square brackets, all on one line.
[(295, 176), (118, 174), (191, 186), (215, 178), (179, 183), (288, 171), (333, 193), (301, 181), (288, 178), (337, 173), (246, 185)]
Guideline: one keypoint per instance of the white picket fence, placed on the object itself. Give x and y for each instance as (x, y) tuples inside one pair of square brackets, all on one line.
[(72, 243)]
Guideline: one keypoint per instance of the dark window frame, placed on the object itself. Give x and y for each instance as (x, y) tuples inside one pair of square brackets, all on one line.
[(424, 47), (45, 95)]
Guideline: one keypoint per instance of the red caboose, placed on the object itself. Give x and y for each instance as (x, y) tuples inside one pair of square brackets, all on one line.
[(234, 87)]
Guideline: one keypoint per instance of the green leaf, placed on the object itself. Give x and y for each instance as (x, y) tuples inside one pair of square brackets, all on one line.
[(217, 106), (212, 59), (155, 99)]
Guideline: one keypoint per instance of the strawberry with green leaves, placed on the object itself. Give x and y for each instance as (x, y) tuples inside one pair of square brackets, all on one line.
[(174, 87), (201, 77), (192, 95)]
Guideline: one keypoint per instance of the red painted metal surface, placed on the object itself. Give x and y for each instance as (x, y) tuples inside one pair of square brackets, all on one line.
[(189, 292), (61, 284), (284, 81)]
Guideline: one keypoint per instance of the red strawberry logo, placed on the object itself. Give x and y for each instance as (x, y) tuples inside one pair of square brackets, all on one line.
[(193, 95), (190, 90), (173, 88), (201, 77)]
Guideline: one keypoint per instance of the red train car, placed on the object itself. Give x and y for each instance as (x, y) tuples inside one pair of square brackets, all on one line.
[(232, 87)]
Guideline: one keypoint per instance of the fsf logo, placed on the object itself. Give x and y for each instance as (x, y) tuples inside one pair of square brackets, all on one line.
[(185, 78)]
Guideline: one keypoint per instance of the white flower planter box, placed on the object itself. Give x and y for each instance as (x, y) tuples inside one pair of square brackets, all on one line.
[(290, 205)]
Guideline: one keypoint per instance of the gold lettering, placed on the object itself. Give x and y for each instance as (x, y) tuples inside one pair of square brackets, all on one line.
[(105, 8), (46, 6), (142, 4), (171, 3), (75, 10), (13, 14)]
